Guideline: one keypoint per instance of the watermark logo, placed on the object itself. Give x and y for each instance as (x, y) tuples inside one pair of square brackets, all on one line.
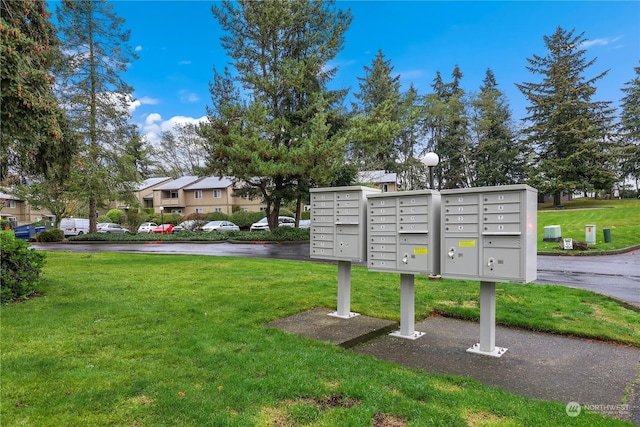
[(573, 409)]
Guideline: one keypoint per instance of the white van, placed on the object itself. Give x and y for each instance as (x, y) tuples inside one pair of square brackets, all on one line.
[(74, 226)]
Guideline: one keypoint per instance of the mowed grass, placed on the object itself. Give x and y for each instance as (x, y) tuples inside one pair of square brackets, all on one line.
[(622, 217), (172, 340)]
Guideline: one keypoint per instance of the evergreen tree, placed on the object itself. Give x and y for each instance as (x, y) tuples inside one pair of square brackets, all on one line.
[(630, 127), (375, 125), (499, 157), (569, 131), (96, 97), (410, 143), (34, 136), (283, 134), (448, 131)]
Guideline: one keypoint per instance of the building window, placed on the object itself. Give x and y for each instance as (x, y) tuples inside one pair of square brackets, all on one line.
[(384, 187), (199, 210), (217, 210), (11, 204), (217, 194), (197, 194), (174, 195), (246, 209)]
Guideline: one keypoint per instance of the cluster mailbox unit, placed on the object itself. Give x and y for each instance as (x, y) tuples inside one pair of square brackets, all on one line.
[(403, 232), (338, 221), (403, 238), (489, 233)]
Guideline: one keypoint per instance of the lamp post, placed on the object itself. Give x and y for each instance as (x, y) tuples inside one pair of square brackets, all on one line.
[(431, 160), (162, 218), (126, 214)]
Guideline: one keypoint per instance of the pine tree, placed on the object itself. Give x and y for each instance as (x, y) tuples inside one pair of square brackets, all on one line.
[(570, 132), (448, 131), (96, 97), (375, 125), (35, 139), (630, 126), (499, 157), (284, 133)]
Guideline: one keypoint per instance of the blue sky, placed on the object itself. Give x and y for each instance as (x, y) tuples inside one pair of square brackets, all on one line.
[(179, 43)]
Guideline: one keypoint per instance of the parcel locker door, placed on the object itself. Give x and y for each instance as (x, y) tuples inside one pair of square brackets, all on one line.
[(348, 242), (460, 256)]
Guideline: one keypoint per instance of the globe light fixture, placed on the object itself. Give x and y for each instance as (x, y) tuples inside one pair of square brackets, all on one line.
[(431, 160)]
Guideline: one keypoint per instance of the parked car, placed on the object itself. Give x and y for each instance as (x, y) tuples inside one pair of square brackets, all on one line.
[(186, 225), (146, 227), (304, 223), (111, 228), (263, 224), (163, 229), (220, 226), (74, 226)]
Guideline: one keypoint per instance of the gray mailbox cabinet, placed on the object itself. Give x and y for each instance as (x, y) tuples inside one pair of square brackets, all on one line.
[(489, 233), (338, 221), (403, 232)]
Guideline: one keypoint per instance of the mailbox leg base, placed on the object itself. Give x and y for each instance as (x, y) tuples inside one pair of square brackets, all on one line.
[(413, 336), (497, 351), (349, 315)]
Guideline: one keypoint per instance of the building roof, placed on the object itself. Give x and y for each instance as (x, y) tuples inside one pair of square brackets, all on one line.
[(179, 183), (150, 182), (5, 196), (376, 177), (211, 182)]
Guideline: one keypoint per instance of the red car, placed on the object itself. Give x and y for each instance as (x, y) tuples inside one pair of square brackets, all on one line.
[(163, 229)]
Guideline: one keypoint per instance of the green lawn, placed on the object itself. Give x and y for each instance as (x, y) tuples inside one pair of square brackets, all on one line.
[(622, 217), (171, 340)]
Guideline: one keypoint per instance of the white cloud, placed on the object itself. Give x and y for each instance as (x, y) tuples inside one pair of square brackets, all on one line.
[(154, 125), (186, 96), (184, 62), (135, 103), (598, 42), (138, 48)]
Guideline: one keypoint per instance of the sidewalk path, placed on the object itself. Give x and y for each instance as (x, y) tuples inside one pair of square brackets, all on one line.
[(541, 366)]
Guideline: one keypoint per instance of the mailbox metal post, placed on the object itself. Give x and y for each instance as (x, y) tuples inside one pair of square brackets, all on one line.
[(344, 292), (487, 344), (407, 309)]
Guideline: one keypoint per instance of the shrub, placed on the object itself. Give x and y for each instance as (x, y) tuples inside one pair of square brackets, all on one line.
[(20, 270), (104, 218), (217, 216), (116, 216), (51, 235), (245, 219)]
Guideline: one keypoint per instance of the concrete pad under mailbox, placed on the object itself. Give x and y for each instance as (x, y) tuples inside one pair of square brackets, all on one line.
[(537, 365), (317, 324)]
